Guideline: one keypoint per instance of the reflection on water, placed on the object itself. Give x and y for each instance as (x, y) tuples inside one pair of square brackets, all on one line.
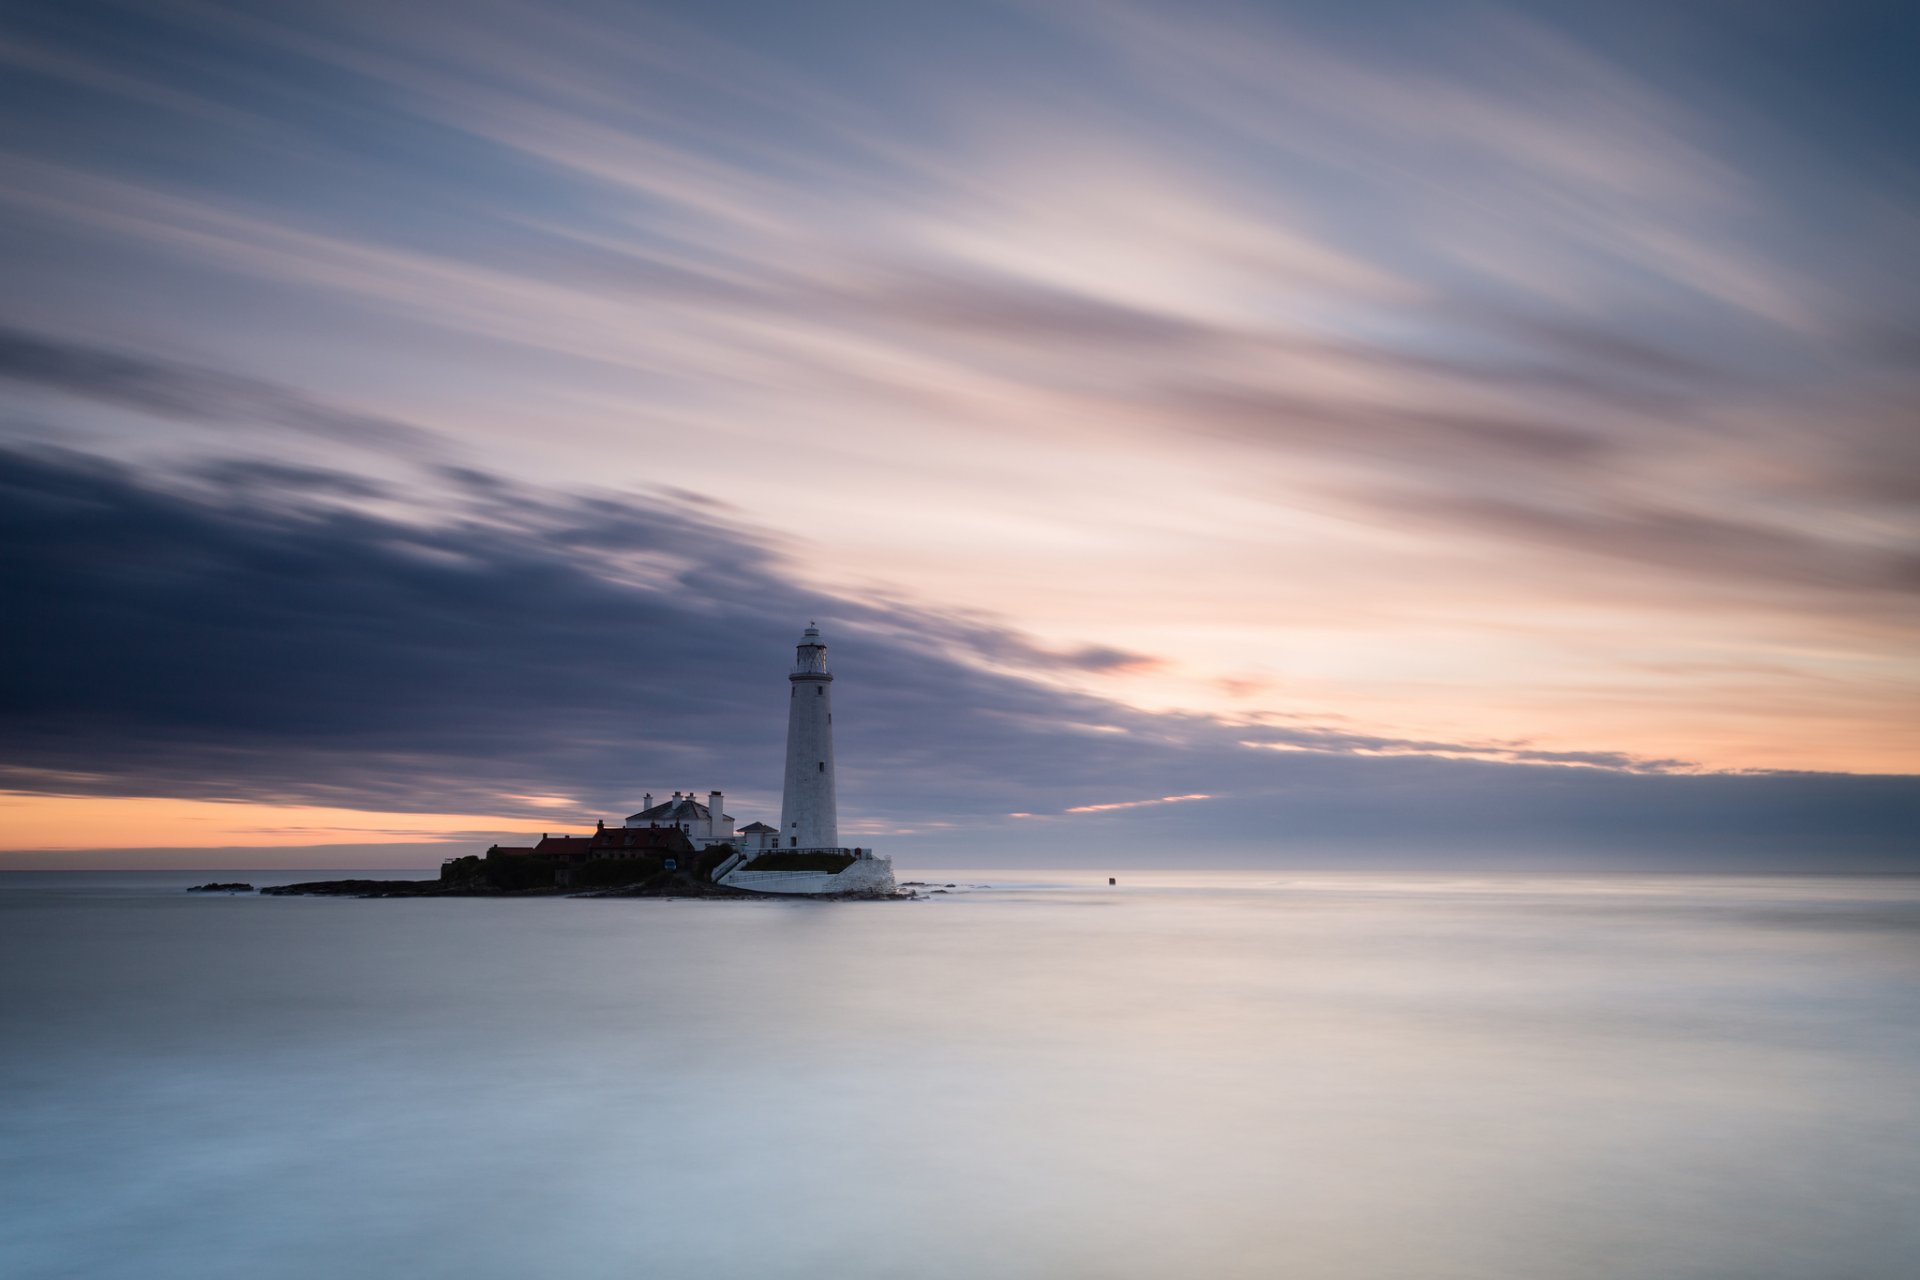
[(1226, 1075)]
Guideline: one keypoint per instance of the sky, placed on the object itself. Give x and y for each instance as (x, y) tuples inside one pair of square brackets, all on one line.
[(1245, 434)]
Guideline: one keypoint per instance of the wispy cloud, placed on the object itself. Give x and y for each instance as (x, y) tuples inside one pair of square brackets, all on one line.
[(169, 389), (1134, 804), (1458, 383), (539, 654)]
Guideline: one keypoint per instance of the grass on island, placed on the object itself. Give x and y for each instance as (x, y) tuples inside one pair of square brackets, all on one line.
[(802, 861)]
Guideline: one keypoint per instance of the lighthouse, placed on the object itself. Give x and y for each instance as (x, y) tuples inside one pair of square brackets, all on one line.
[(808, 815)]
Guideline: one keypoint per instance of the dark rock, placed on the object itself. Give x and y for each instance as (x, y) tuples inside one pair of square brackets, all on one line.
[(360, 889), (671, 884), (217, 887)]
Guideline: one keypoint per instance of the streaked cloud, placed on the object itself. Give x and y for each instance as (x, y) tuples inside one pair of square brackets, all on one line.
[(1491, 386), (183, 392), (1134, 804), (511, 658)]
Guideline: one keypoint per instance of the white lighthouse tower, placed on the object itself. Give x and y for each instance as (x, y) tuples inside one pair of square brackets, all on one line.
[(809, 817)]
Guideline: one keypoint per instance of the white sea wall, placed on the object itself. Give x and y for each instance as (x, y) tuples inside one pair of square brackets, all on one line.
[(867, 875)]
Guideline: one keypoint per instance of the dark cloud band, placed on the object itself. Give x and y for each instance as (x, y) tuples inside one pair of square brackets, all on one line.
[(233, 634)]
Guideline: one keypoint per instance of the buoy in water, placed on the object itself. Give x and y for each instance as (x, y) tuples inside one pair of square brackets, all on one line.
[(1111, 880)]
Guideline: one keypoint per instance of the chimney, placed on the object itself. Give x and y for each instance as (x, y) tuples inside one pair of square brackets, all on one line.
[(646, 801), (714, 801)]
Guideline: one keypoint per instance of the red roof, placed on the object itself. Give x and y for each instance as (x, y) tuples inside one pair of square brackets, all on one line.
[(550, 845)]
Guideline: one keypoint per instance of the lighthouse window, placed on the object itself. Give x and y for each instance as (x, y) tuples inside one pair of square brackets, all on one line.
[(820, 689), (823, 766)]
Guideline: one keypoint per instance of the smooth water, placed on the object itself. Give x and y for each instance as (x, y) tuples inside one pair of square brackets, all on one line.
[(1231, 1075)]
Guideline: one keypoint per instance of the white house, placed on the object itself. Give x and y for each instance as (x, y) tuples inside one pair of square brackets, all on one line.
[(757, 837), (704, 824)]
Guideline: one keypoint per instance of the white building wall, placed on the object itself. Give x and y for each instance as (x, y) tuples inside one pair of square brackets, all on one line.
[(867, 875), (809, 814)]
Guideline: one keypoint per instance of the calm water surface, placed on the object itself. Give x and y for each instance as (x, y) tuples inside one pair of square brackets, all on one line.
[(1231, 1075)]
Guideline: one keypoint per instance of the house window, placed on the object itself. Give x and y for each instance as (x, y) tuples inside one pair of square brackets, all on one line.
[(796, 842)]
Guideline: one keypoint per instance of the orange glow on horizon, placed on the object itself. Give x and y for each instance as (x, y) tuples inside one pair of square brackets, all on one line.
[(62, 822)]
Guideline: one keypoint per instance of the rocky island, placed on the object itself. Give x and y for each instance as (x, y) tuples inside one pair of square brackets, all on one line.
[(683, 848), (504, 875)]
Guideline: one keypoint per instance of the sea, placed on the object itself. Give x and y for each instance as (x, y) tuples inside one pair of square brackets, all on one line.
[(1318, 1076)]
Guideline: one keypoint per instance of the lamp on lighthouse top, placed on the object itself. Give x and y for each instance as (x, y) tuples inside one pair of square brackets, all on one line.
[(810, 657)]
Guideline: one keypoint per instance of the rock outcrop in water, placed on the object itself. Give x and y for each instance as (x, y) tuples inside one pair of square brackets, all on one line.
[(666, 884), (361, 889), (216, 887)]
